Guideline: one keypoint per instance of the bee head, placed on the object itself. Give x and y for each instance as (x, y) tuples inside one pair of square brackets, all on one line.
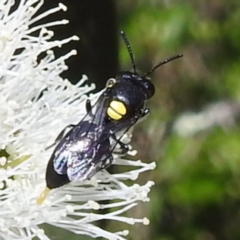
[(139, 81), (129, 90), (142, 80)]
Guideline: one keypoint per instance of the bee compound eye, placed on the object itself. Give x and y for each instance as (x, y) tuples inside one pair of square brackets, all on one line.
[(149, 88), (110, 82)]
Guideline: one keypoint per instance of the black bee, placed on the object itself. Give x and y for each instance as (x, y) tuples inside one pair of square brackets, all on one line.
[(88, 146)]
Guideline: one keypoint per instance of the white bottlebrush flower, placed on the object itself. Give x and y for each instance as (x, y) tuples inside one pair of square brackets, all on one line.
[(35, 105)]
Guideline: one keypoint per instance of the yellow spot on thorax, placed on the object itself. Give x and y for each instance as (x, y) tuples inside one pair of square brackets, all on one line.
[(116, 110), (43, 196)]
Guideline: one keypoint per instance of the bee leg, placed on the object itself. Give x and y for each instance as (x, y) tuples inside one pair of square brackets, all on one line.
[(89, 108), (60, 135), (123, 149), (144, 112), (123, 146), (107, 162)]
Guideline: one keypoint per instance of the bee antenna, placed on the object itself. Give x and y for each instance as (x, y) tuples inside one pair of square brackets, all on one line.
[(162, 63), (125, 39)]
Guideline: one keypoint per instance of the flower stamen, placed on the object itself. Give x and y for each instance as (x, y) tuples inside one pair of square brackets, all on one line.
[(43, 196)]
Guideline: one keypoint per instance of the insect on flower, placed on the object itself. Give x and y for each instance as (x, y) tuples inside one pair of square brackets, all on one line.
[(88, 146)]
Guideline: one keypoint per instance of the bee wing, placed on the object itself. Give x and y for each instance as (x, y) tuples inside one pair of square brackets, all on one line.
[(113, 132), (96, 116), (83, 168), (81, 165), (69, 148), (118, 128)]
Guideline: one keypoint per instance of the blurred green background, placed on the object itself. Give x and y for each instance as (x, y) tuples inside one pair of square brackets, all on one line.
[(193, 131)]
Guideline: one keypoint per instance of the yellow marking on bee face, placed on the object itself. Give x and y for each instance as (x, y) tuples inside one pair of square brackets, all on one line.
[(113, 114), (43, 196), (111, 82), (116, 110), (119, 107)]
